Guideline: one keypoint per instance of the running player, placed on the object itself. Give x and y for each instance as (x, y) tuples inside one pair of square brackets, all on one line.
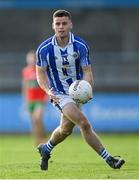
[(62, 59)]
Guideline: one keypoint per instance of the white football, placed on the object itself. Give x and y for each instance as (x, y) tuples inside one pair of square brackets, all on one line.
[(81, 91)]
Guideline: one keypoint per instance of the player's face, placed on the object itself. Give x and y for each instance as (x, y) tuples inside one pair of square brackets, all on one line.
[(62, 26)]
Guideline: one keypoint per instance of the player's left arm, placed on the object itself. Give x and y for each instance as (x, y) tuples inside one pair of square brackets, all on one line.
[(86, 64), (88, 74)]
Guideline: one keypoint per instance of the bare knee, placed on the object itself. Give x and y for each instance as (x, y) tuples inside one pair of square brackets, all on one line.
[(85, 125), (65, 132), (36, 118)]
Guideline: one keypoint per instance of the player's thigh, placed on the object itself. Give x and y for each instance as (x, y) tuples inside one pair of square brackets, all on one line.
[(65, 124), (38, 109), (74, 114)]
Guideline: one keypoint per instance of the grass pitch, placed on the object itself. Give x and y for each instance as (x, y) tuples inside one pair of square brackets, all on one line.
[(72, 159)]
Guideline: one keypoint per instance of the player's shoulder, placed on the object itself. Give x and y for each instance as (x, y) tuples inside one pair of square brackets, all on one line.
[(44, 44), (80, 41)]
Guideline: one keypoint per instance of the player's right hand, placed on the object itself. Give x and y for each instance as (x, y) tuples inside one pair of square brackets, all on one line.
[(53, 97)]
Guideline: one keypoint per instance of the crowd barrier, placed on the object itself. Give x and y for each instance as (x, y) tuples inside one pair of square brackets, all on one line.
[(107, 112)]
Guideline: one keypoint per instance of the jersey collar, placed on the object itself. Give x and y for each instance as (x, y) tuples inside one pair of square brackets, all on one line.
[(71, 39)]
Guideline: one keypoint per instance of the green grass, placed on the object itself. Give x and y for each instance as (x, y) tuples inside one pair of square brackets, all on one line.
[(72, 159)]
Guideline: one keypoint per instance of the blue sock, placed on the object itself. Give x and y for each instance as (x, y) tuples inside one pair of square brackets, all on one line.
[(48, 147), (104, 154)]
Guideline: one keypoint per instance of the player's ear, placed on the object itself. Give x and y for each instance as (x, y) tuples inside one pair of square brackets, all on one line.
[(53, 26), (71, 25)]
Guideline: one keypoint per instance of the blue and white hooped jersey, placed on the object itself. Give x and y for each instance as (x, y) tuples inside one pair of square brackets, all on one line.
[(64, 65)]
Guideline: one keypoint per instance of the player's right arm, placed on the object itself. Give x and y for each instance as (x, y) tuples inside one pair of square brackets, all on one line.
[(41, 72), (42, 78), (43, 82)]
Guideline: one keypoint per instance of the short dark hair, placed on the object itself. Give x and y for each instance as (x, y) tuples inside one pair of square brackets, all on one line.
[(61, 13)]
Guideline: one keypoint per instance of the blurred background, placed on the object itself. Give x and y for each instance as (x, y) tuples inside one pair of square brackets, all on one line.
[(111, 29)]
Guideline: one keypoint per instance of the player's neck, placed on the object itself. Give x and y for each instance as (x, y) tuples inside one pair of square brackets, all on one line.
[(62, 41)]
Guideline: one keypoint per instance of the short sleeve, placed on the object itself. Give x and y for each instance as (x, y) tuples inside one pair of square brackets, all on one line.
[(84, 55), (41, 56)]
